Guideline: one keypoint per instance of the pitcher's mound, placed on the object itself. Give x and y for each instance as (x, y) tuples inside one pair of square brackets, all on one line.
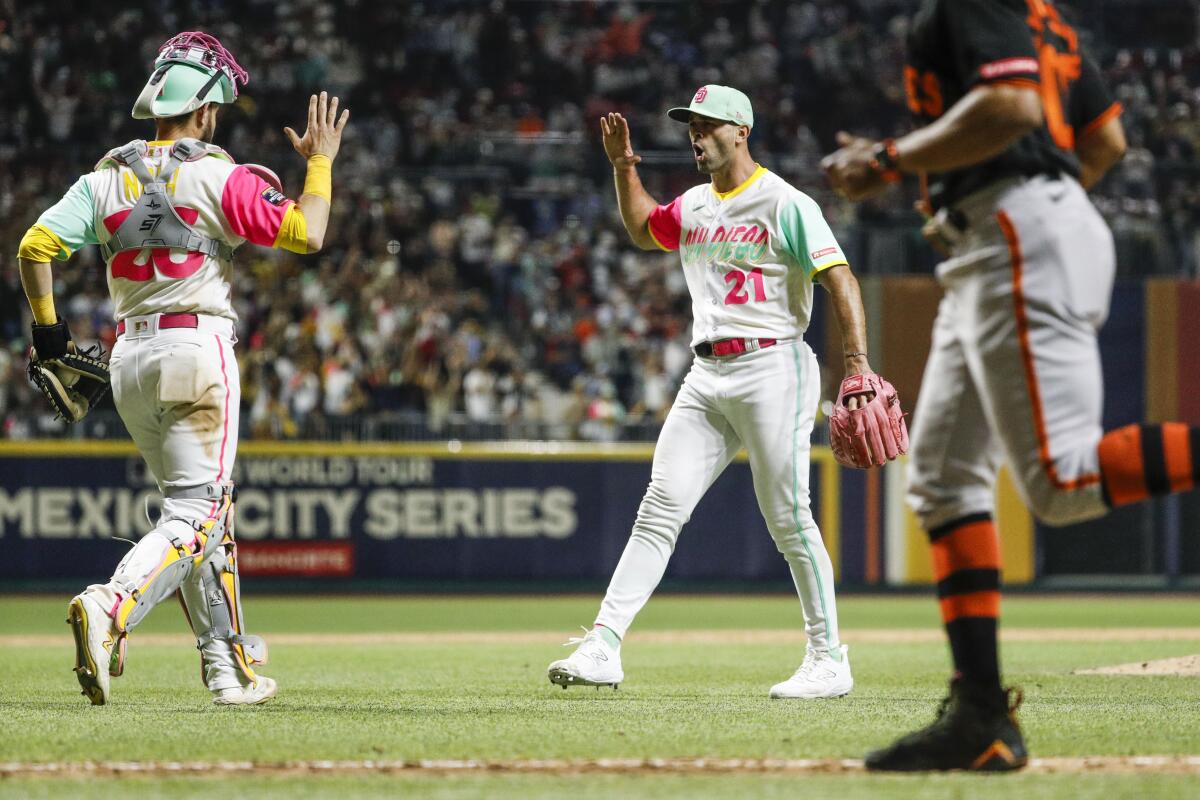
[(1185, 666)]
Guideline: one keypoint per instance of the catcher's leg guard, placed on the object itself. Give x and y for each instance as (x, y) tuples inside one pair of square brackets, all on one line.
[(212, 599), (162, 561)]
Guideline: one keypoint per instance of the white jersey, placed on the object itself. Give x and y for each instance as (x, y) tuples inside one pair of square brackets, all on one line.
[(749, 256), (214, 195)]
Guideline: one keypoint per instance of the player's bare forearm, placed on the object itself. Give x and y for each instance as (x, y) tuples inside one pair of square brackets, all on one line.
[(983, 124), (38, 281), (843, 289), (636, 205), (1099, 151), (316, 218), (633, 200)]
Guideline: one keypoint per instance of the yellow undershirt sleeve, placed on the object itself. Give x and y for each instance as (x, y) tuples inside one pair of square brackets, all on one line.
[(319, 178), (293, 231), (41, 244), (43, 309)]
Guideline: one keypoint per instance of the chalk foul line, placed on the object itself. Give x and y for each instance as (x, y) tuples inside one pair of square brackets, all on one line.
[(1181, 765)]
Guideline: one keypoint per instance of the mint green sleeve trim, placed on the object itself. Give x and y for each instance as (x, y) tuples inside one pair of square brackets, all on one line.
[(72, 219), (808, 238), (791, 225)]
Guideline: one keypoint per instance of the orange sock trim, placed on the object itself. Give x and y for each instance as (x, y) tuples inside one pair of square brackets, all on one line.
[(975, 545), (976, 604), (1177, 452), (1122, 465)]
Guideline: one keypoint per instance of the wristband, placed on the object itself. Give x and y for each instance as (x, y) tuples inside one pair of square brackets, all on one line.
[(883, 161), (318, 180)]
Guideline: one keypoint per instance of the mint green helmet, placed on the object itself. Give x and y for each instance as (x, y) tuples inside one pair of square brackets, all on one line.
[(192, 69)]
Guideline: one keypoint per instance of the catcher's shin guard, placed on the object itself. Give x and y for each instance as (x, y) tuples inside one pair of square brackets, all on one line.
[(213, 602), (160, 563)]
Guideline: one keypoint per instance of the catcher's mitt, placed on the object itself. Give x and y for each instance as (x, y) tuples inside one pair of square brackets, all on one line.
[(73, 381), (871, 435)]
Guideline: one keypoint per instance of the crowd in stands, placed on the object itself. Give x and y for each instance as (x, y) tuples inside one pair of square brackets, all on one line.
[(476, 271)]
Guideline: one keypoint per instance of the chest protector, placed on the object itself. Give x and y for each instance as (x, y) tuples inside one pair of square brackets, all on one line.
[(153, 222)]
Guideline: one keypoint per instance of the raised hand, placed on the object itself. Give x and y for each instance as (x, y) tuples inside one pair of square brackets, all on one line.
[(324, 133), (615, 131)]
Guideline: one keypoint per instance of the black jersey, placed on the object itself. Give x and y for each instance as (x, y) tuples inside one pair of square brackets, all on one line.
[(956, 45), (1090, 105)]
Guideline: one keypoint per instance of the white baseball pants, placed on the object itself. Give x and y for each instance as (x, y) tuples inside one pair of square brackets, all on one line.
[(766, 400), (178, 392), (1014, 370)]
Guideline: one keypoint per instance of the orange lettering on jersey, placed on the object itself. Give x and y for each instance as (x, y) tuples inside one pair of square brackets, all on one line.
[(923, 92), (932, 104), (1058, 68), (911, 89)]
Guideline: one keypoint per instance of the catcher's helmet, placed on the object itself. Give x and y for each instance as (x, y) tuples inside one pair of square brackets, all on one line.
[(192, 69)]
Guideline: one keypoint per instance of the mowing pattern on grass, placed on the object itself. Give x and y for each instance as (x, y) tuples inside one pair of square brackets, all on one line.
[(1177, 765)]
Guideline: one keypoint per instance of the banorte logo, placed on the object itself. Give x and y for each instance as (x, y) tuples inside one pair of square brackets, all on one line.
[(701, 93)]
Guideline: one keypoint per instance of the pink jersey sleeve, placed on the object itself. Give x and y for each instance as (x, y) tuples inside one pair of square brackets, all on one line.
[(254, 209), (666, 223)]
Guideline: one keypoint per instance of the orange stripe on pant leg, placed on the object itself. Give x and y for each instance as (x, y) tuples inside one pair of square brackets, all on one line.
[(973, 546), (1178, 454), (1121, 462), (1031, 381), (976, 604)]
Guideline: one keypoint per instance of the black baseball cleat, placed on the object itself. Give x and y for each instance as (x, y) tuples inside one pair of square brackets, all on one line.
[(976, 729)]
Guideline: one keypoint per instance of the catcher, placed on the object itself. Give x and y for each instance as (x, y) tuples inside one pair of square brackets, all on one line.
[(752, 247), (168, 215)]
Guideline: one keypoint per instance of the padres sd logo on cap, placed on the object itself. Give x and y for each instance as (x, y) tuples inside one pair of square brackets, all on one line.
[(717, 102)]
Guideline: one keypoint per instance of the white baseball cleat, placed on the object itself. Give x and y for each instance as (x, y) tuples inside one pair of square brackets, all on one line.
[(94, 638), (255, 694), (819, 676), (594, 663)]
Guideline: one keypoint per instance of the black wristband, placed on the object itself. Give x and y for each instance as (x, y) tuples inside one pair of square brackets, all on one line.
[(883, 161), (51, 341)]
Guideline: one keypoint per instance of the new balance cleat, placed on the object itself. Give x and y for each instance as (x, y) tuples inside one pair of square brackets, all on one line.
[(94, 638), (976, 729), (257, 693), (594, 663), (819, 676)]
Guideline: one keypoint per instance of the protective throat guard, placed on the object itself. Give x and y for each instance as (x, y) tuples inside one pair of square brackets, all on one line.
[(153, 221)]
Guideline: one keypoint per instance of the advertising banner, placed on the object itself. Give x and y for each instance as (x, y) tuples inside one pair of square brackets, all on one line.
[(422, 513)]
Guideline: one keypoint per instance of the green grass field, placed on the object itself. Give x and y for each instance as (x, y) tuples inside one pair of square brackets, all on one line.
[(441, 678)]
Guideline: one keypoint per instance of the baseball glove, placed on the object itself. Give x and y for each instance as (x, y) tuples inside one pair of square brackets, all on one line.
[(871, 435), (72, 380)]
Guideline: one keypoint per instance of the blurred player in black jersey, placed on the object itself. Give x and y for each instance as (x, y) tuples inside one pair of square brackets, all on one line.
[(1013, 118)]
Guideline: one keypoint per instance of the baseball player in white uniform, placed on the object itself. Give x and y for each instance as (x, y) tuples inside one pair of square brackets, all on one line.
[(168, 215), (751, 247)]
